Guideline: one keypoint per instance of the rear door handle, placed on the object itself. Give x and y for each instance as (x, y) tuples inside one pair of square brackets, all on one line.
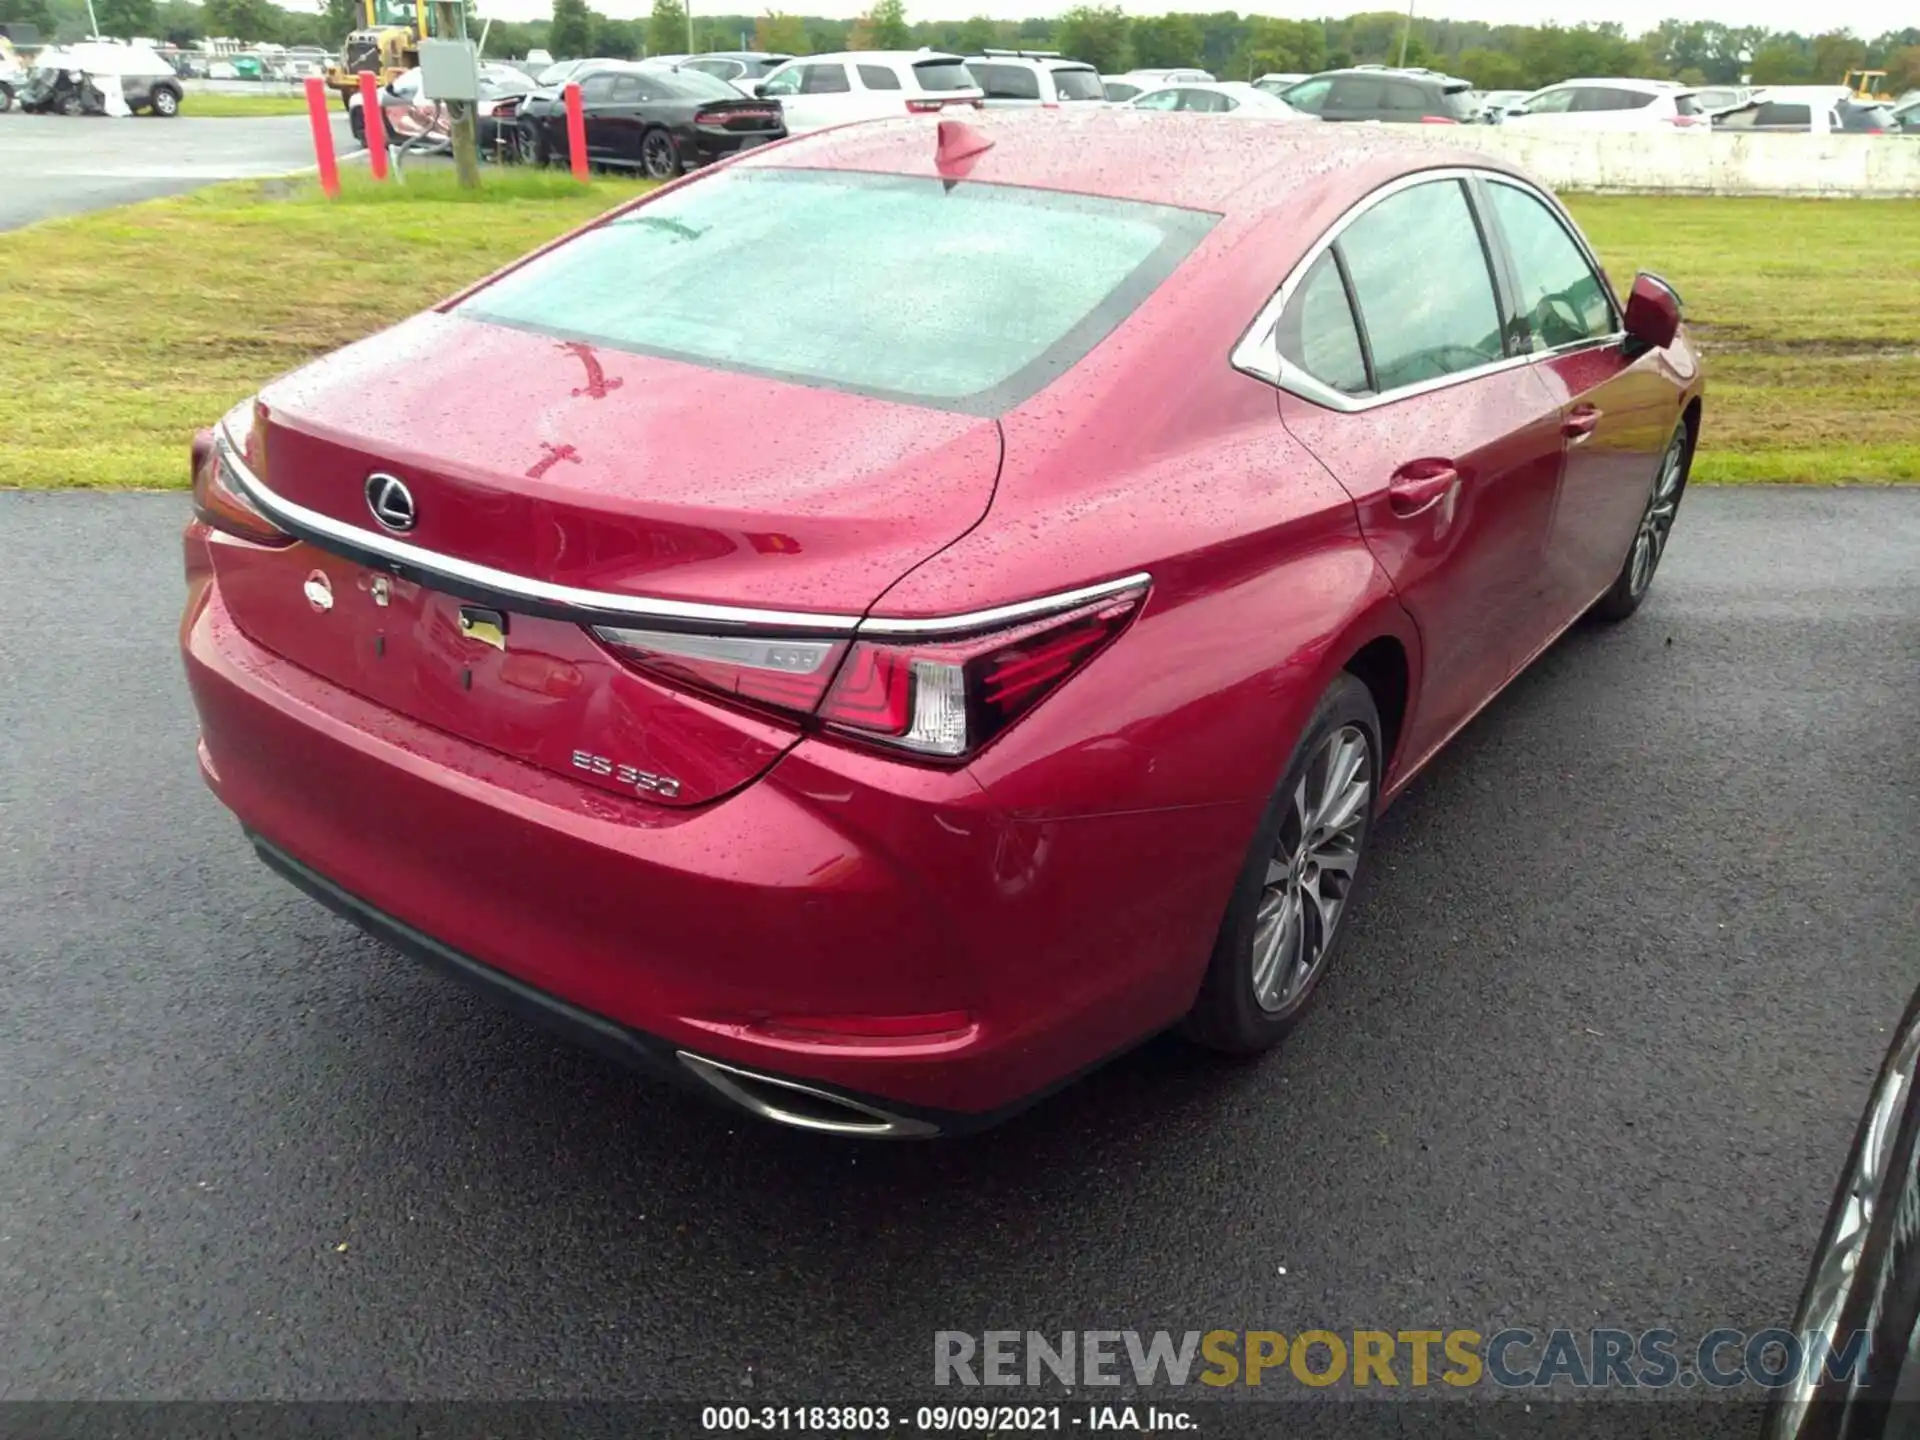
[(1420, 484), (1580, 422)]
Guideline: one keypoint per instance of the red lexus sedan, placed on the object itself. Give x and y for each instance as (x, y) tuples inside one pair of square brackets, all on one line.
[(882, 625)]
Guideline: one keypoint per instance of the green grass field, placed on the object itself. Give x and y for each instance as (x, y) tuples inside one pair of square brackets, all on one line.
[(129, 328), (198, 102)]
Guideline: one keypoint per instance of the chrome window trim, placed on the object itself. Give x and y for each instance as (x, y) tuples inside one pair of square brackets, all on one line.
[(1257, 352), (587, 606), (998, 615)]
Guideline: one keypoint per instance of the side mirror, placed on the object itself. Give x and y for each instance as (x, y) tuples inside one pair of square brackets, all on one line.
[(1653, 313)]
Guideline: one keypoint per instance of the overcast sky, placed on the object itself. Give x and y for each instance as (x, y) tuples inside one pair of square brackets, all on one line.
[(1864, 17)]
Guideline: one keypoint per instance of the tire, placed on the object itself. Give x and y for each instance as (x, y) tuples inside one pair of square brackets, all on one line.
[(529, 145), (71, 104), (165, 102), (1650, 536), (660, 155), (1247, 1004), (6, 98), (357, 126)]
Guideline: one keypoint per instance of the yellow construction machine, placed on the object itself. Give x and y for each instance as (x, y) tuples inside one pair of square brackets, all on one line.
[(386, 44)]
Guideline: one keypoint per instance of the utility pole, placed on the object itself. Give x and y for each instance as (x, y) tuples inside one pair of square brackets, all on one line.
[(92, 24), (450, 22), (1406, 31), (690, 49)]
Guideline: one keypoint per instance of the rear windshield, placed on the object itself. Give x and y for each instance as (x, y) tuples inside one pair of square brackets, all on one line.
[(970, 299), (942, 75), (1079, 85), (692, 85), (1686, 105), (1458, 103)]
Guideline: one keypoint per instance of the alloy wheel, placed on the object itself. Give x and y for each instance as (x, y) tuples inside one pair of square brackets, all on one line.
[(164, 103), (657, 155), (1656, 523), (1311, 872)]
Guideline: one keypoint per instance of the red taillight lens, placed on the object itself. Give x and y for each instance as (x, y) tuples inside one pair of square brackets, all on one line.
[(1685, 121), (790, 674), (924, 107), (938, 697), (949, 698), (219, 501), (1438, 120)]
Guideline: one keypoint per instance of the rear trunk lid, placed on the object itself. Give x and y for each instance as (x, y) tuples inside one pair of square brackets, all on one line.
[(623, 477), (745, 117)]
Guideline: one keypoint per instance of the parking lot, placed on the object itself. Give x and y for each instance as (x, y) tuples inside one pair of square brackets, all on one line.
[(57, 166), (1593, 1055)]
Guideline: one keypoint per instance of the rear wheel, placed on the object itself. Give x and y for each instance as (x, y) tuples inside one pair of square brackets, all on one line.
[(71, 104), (165, 102), (6, 97), (529, 146), (659, 155), (1650, 537), (357, 125), (1284, 920)]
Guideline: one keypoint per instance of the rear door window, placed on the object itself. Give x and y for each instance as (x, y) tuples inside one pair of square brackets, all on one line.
[(1423, 285), (1210, 102), (1354, 92), (879, 77), (1159, 100), (939, 75), (824, 80), (628, 90), (1562, 299), (596, 89), (1317, 334)]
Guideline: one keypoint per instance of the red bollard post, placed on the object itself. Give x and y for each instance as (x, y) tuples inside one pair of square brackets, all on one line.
[(576, 133), (373, 120), (324, 161)]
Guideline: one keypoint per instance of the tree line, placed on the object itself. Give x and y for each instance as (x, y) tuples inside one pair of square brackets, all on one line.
[(1232, 46)]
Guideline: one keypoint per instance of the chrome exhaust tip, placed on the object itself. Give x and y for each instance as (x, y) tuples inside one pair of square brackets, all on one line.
[(802, 1107)]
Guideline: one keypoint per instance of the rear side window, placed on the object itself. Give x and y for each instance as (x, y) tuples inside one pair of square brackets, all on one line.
[(824, 80), (1421, 280), (879, 77), (1118, 90), (968, 299), (687, 85), (1459, 104), (1005, 82), (1778, 114), (1317, 335), (1211, 102), (942, 75), (1562, 300), (1078, 85), (1551, 102), (1686, 105), (1399, 95)]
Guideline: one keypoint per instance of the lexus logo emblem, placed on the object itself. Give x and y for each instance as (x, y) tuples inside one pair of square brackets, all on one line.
[(390, 501)]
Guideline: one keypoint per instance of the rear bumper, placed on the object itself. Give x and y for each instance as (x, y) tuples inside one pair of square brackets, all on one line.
[(816, 1108), (838, 885)]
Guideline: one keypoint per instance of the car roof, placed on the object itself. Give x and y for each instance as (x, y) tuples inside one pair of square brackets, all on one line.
[(1039, 62), (1624, 82), (911, 57), (741, 55), (1171, 158), (1803, 92)]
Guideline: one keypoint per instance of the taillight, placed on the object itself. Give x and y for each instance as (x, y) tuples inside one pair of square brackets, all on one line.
[(1685, 121), (936, 697), (789, 674), (924, 107), (219, 500), (1438, 120)]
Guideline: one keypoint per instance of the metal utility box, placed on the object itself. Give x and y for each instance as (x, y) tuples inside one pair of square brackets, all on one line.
[(449, 70)]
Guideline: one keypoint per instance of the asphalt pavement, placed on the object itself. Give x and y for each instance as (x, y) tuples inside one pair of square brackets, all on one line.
[(62, 165), (1593, 1055)]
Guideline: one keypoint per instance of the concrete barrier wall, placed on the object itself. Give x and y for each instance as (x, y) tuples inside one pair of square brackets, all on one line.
[(1673, 162)]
